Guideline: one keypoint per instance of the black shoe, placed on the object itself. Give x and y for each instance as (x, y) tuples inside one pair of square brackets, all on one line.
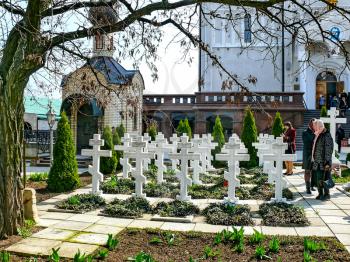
[(320, 193), (313, 189), (326, 197), (308, 191)]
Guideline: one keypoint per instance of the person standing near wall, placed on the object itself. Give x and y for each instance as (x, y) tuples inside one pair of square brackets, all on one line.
[(322, 151), (308, 139), (289, 137)]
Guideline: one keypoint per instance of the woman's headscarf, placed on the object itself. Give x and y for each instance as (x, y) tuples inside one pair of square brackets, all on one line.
[(318, 129)]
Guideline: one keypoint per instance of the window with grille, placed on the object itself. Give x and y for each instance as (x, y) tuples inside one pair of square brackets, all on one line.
[(99, 41), (247, 28)]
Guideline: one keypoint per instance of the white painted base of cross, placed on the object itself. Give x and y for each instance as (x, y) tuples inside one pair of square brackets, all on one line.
[(196, 172), (233, 183), (185, 182)]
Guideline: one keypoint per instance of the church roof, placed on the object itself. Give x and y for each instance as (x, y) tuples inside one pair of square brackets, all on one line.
[(111, 69)]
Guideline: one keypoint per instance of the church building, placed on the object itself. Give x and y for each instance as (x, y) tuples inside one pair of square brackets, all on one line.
[(102, 92)]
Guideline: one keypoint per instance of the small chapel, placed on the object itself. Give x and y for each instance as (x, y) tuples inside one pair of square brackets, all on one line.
[(102, 92)]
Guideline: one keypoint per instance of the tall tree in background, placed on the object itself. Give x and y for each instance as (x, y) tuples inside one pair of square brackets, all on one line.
[(39, 35), (187, 128), (117, 141), (152, 130), (219, 137), (249, 136), (277, 127), (63, 175), (180, 128)]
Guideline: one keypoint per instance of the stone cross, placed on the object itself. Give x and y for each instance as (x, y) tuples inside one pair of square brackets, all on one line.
[(182, 175), (233, 158), (267, 165), (124, 161), (139, 155), (198, 165), (160, 146), (96, 153), (261, 146), (278, 156), (146, 161), (207, 143), (333, 121), (174, 140)]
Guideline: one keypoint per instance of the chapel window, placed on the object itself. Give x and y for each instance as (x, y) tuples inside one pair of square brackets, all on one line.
[(247, 28), (99, 41)]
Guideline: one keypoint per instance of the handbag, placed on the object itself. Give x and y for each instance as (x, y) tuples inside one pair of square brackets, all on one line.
[(329, 183)]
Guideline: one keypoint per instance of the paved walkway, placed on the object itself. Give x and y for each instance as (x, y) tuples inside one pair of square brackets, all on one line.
[(87, 232)]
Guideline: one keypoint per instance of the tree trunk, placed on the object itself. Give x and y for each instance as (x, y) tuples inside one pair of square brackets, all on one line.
[(11, 137)]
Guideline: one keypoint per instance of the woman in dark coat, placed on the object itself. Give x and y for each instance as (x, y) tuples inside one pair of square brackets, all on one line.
[(322, 151), (308, 140), (289, 137)]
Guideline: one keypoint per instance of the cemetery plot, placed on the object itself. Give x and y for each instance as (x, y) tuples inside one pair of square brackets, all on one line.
[(157, 245)]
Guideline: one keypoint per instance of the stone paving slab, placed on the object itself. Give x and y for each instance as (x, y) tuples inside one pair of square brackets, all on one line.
[(118, 222), (47, 222), (85, 218), (68, 249), (316, 221), (323, 212), (203, 227), (339, 229), (72, 225), (34, 246), (344, 220), (178, 226), (54, 234), (145, 224), (314, 231), (90, 238), (283, 231), (344, 238), (57, 215), (103, 229)]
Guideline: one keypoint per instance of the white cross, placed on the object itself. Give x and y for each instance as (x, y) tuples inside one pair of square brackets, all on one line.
[(124, 161), (160, 146), (198, 165), (137, 172), (182, 175), (233, 158), (267, 164), (261, 146), (207, 143), (96, 153), (278, 155), (146, 161), (333, 121), (174, 140)]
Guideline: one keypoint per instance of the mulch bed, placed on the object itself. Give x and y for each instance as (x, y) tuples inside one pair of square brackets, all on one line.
[(188, 245), (42, 193)]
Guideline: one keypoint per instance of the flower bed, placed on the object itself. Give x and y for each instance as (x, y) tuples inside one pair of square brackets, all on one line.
[(82, 202), (282, 214), (131, 207), (176, 209)]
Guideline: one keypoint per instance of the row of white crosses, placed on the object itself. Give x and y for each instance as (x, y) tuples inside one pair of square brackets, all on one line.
[(264, 146)]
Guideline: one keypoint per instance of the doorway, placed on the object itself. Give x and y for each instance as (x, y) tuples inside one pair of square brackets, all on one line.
[(87, 126), (328, 90)]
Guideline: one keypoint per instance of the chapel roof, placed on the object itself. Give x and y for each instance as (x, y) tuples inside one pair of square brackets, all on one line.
[(110, 68)]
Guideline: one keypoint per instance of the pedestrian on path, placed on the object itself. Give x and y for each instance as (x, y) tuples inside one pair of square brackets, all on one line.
[(308, 139), (322, 151), (339, 135), (289, 138)]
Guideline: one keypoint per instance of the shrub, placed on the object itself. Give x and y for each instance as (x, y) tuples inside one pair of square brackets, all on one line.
[(142, 257), (282, 214), (82, 202), (227, 214), (27, 229), (187, 128), (274, 245), (256, 238), (176, 208), (118, 186), (63, 174), (277, 127), (108, 164), (131, 207), (112, 242), (219, 138), (37, 177), (152, 130), (180, 128), (120, 130), (117, 141), (249, 136), (313, 246), (260, 253)]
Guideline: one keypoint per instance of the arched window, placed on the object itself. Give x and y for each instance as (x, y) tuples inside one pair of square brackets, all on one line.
[(247, 28), (99, 41)]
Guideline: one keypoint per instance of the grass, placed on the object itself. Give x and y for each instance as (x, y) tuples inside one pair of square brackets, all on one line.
[(345, 177), (37, 177)]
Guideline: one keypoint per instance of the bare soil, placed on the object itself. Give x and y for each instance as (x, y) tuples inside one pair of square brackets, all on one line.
[(42, 193)]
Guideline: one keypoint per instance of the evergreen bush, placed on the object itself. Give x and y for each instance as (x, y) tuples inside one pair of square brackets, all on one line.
[(117, 141), (63, 175), (324, 113), (152, 130), (187, 128), (219, 137), (108, 164), (180, 128), (278, 127), (121, 130), (249, 136)]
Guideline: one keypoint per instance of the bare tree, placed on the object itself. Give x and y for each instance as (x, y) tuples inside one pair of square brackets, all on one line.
[(39, 35)]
